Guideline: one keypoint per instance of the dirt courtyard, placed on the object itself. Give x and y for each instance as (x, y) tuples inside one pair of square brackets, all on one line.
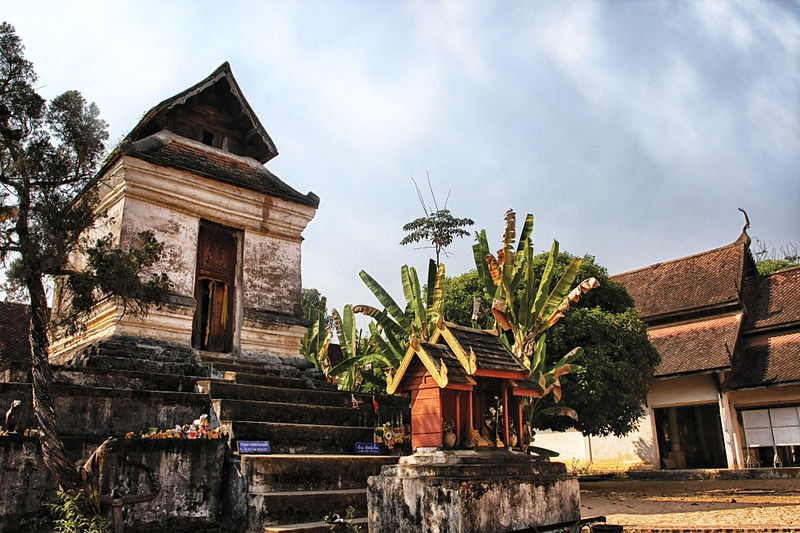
[(736, 504)]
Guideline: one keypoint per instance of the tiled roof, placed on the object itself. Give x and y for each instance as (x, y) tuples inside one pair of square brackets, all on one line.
[(698, 346), (14, 326), (706, 280), (772, 300), (169, 150), (490, 352), (442, 353), (764, 360)]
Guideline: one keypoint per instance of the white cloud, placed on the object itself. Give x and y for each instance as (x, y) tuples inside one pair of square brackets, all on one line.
[(451, 33)]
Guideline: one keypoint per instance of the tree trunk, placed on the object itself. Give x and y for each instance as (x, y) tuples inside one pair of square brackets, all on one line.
[(55, 458)]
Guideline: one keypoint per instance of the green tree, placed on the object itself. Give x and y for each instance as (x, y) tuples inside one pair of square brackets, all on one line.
[(460, 296), (310, 300), (438, 226), (49, 154), (609, 390), (769, 260)]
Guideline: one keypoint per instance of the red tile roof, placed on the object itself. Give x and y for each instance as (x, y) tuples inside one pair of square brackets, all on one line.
[(764, 360), (772, 300), (706, 280), (14, 326), (697, 346)]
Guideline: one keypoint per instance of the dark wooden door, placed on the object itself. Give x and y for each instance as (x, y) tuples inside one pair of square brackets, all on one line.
[(216, 273)]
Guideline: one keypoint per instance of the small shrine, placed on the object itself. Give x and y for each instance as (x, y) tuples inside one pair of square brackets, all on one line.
[(467, 389)]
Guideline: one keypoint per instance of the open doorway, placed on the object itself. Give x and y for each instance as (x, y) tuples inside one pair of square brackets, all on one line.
[(690, 437), (212, 328)]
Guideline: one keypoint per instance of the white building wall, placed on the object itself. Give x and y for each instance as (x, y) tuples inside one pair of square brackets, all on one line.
[(603, 454)]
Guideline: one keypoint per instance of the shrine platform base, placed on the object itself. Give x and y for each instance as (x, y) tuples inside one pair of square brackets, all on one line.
[(471, 491)]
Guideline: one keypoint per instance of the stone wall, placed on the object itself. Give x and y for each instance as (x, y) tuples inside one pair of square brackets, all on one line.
[(189, 471)]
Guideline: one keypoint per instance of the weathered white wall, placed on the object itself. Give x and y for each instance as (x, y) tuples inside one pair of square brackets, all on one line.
[(635, 450), (141, 196), (271, 273)]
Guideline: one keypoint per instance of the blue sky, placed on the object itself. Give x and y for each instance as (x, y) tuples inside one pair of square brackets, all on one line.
[(631, 130)]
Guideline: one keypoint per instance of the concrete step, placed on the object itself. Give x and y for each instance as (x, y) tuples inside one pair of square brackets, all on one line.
[(281, 473), (108, 362), (101, 411), (255, 411), (316, 527), (292, 507), (301, 438), (226, 390), (123, 379), (138, 349), (265, 380), (228, 365)]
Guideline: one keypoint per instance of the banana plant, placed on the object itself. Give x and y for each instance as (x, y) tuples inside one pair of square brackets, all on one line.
[(314, 344), (393, 326), (363, 360), (524, 307)]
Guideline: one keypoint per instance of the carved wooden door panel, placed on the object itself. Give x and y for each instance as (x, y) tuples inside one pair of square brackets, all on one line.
[(216, 273)]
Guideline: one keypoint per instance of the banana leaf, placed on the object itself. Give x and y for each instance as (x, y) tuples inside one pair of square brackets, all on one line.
[(480, 250), (386, 300), (413, 294), (391, 328), (391, 347), (560, 291)]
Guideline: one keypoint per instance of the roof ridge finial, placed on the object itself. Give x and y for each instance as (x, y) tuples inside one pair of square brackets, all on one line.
[(744, 237)]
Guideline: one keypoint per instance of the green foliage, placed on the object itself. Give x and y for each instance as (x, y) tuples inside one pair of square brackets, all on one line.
[(769, 260), (338, 524), (363, 363), (610, 390), (393, 326), (525, 305), (309, 302), (74, 514), (768, 266), (460, 293), (111, 271), (49, 154), (438, 226), (314, 344)]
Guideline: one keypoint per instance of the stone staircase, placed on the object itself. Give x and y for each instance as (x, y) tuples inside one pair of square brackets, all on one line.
[(126, 385), (312, 429), (114, 388)]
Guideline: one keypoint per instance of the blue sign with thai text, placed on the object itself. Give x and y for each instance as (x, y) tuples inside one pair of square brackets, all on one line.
[(368, 448), (254, 446)]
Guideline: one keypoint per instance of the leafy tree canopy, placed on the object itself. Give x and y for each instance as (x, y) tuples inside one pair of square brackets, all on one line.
[(769, 260), (609, 390), (49, 155), (438, 226)]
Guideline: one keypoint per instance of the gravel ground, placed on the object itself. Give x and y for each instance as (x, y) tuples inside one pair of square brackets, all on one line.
[(699, 504)]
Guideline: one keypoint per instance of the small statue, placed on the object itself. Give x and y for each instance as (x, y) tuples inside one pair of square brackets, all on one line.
[(13, 416), (479, 441)]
